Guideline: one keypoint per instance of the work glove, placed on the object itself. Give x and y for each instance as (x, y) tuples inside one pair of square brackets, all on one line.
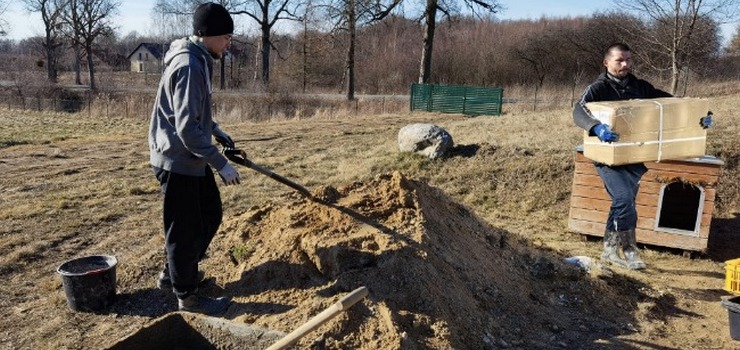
[(605, 134), (229, 175), (706, 122), (223, 138)]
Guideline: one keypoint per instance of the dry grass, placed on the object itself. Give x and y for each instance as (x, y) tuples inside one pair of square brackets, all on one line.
[(131, 95), (78, 184), (531, 149)]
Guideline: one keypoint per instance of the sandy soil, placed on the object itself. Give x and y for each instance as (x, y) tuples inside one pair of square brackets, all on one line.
[(444, 270)]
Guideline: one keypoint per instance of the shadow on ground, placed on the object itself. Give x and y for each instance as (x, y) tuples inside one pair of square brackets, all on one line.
[(723, 237)]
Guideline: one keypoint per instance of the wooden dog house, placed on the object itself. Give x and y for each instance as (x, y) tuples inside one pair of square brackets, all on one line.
[(674, 203)]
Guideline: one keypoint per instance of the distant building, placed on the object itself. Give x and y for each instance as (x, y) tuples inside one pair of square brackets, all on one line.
[(148, 57), (107, 60)]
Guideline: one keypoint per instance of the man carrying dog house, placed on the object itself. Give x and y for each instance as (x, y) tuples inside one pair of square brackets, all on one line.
[(621, 181)]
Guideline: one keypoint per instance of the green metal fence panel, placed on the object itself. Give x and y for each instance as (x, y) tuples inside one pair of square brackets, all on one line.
[(420, 96), (466, 100)]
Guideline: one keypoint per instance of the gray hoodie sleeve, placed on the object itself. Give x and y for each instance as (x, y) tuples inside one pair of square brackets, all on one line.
[(581, 115), (193, 126)]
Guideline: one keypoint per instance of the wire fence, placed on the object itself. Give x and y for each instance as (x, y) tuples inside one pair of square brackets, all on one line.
[(249, 106), (226, 106)]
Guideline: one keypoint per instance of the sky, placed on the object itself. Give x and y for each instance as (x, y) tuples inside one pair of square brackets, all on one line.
[(134, 15)]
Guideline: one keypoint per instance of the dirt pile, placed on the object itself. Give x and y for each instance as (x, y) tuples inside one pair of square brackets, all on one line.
[(438, 276)]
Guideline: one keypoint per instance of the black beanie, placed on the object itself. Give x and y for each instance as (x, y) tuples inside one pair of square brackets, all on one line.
[(212, 19)]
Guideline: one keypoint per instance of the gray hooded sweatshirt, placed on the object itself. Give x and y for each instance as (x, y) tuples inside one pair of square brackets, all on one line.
[(182, 122)]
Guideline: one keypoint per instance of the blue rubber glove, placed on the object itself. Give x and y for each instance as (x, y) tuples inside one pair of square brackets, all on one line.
[(706, 121), (605, 134)]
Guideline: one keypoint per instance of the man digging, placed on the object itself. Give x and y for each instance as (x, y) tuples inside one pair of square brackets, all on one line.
[(182, 155)]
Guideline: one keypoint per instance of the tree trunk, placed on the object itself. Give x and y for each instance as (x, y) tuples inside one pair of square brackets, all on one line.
[(305, 55), (51, 61), (352, 22), (91, 68), (50, 46), (266, 53), (675, 72), (430, 19), (77, 66)]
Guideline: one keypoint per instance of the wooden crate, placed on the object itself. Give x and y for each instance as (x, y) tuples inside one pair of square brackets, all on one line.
[(590, 203)]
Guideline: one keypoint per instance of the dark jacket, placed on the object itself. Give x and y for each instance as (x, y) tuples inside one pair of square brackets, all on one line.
[(182, 123), (607, 89)]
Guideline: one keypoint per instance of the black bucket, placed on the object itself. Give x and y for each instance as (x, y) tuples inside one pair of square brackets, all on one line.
[(89, 282), (733, 307)]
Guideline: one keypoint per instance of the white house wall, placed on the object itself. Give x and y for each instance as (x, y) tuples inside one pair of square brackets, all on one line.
[(148, 63)]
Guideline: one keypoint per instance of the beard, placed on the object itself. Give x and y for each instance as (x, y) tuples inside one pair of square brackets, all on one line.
[(622, 73)]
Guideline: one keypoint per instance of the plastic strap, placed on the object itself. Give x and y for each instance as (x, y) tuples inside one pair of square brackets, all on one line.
[(660, 132), (643, 143)]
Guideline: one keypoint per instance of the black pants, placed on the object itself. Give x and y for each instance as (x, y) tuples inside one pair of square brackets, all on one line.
[(192, 213)]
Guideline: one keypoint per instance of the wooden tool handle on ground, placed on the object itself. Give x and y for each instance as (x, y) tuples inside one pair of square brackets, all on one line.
[(341, 305)]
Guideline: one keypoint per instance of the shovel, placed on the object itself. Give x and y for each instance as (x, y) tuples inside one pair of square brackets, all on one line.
[(240, 157), (318, 320)]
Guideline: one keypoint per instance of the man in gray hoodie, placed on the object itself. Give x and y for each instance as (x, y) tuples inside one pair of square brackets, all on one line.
[(182, 156)]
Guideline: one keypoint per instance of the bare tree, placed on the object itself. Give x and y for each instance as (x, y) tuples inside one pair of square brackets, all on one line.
[(447, 7), (537, 53), (733, 49), (51, 14), (70, 19), (348, 15), (306, 21), (85, 21), (3, 22), (679, 18), (173, 18), (304, 51), (598, 32), (266, 13)]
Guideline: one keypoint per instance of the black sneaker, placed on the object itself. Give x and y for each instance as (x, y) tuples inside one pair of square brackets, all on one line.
[(165, 283), (204, 305)]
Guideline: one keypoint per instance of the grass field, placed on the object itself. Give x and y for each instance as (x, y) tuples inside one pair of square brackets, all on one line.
[(80, 184)]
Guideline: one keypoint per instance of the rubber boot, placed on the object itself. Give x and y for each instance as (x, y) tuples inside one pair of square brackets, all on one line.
[(611, 249), (629, 248)]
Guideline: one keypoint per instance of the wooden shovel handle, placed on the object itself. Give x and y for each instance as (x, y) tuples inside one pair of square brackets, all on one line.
[(343, 304)]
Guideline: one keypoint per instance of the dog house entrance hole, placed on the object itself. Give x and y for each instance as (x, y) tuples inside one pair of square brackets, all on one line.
[(680, 207)]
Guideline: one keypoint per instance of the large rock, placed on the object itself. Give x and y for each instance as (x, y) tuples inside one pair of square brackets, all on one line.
[(425, 139)]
